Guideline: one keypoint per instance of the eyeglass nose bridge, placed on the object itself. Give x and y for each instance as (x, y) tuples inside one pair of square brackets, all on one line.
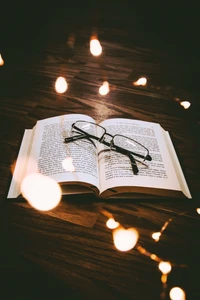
[(103, 139)]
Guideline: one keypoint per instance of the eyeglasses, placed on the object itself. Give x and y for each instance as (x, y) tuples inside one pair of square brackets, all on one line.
[(118, 143)]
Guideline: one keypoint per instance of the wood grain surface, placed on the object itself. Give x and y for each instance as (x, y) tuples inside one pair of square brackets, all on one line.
[(68, 253)]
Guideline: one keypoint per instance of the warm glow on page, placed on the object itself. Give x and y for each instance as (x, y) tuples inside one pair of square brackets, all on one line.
[(67, 164)]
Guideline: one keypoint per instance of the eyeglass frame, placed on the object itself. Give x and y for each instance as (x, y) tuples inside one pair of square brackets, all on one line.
[(109, 144)]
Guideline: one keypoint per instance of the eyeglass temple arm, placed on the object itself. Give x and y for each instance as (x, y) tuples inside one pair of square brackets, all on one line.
[(79, 137), (121, 150), (132, 159), (75, 138)]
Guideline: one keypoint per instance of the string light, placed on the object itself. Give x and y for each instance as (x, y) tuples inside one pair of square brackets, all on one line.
[(61, 85), (1, 61), (198, 210), (104, 89), (165, 267), (125, 239), (95, 47), (141, 81), (185, 104), (106, 213), (176, 293), (156, 235), (152, 256), (42, 192), (112, 224)]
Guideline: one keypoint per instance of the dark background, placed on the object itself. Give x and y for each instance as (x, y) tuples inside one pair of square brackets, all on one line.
[(166, 24), (163, 25)]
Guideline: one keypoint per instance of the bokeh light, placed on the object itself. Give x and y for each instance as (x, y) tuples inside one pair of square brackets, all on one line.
[(156, 236), (165, 267), (198, 210), (112, 224), (125, 239), (1, 61), (42, 192), (67, 164), (185, 104), (95, 47), (141, 81), (176, 293), (61, 85), (104, 89)]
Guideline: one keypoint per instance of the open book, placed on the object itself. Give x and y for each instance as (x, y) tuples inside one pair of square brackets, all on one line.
[(107, 174)]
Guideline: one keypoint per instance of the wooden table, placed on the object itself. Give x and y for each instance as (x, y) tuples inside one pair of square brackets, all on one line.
[(68, 252)]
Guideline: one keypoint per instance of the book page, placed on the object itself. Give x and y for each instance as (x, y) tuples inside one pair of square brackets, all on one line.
[(176, 164), (49, 152), (115, 169), (21, 164)]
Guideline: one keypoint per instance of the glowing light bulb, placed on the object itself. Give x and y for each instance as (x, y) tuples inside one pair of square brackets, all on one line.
[(95, 47), (61, 85), (42, 192), (165, 267), (67, 164), (185, 104), (156, 236), (1, 61), (112, 224), (125, 239), (176, 293), (104, 89), (141, 81), (198, 210)]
